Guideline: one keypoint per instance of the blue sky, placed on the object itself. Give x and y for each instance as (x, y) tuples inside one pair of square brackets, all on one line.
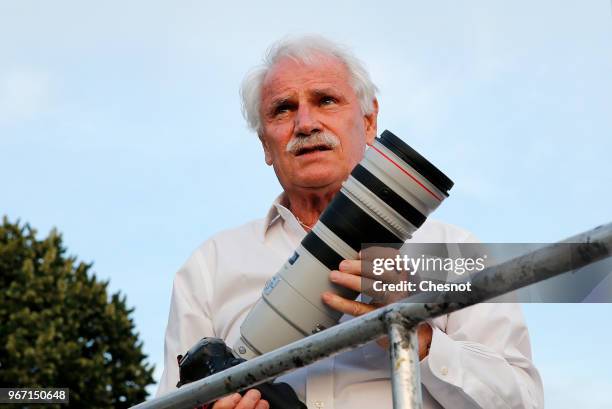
[(120, 125)]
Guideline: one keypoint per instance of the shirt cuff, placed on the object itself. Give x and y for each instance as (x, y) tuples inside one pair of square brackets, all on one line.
[(445, 372), (442, 365)]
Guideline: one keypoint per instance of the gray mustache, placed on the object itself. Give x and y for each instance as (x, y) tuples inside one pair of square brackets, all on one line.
[(327, 139)]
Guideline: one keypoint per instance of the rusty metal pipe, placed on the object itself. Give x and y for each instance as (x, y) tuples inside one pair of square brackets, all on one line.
[(549, 261)]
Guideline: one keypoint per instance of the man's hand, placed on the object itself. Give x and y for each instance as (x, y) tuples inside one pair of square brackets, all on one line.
[(250, 400), (350, 275)]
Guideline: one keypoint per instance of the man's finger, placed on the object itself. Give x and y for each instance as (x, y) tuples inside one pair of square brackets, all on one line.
[(345, 306), (263, 404), (346, 280), (249, 400), (373, 252), (350, 267), (228, 402), (355, 283)]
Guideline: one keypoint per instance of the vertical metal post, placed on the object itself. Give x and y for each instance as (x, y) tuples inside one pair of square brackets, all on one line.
[(405, 374)]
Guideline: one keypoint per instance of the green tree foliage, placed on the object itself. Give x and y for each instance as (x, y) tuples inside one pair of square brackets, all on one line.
[(60, 328)]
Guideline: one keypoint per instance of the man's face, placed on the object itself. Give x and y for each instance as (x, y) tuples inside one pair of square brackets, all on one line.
[(301, 102)]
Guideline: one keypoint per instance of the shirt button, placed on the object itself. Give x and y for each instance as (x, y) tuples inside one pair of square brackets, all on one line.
[(444, 371), (318, 404)]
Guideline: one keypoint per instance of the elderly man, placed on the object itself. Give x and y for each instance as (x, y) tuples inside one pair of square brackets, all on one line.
[(314, 109)]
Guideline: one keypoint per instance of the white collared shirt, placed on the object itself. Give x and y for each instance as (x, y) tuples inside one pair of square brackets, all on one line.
[(480, 357)]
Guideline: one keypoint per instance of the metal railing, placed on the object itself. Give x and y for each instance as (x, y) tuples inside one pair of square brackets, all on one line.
[(399, 322)]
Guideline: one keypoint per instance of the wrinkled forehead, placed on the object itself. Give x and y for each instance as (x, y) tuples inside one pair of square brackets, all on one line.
[(291, 75)]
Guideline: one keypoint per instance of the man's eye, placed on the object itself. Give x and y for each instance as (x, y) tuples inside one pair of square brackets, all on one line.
[(328, 101), (281, 109)]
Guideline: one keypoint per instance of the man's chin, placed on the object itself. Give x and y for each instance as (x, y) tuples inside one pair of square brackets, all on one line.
[(320, 179)]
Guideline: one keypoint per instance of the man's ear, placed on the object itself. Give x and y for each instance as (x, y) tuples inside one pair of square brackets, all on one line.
[(370, 122), (266, 149)]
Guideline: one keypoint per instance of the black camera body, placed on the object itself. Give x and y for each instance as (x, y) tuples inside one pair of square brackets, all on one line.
[(211, 355)]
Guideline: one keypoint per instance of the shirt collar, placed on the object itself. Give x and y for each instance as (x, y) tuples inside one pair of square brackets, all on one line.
[(273, 213), (279, 211)]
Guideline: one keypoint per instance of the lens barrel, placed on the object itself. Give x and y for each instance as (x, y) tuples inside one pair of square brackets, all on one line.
[(386, 198)]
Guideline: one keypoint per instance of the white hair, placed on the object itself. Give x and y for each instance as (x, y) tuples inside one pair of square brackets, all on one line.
[(306, 50)]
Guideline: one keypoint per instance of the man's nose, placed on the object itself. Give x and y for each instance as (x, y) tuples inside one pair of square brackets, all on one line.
[(306, 122)]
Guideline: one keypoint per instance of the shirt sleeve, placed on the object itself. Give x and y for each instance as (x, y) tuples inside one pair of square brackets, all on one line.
[(189, 318), (482, 359)]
